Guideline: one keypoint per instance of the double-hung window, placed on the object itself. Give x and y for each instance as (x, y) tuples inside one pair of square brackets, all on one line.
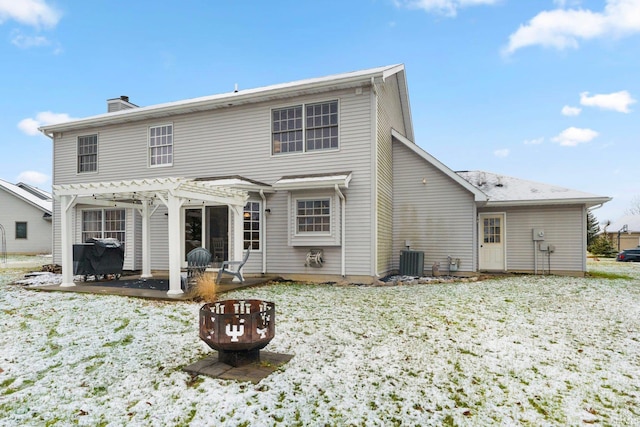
[(313, 216), (87, 153), (161, 145), (252, 225), (103, 223), (305, 128)]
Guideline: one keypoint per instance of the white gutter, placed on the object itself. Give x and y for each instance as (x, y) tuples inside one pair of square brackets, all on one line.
[(544, 202), (264, 232), (343, 231)]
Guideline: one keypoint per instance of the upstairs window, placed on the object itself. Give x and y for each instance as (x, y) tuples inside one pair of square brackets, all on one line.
[(161, 145), (304, 128), (87, 153)]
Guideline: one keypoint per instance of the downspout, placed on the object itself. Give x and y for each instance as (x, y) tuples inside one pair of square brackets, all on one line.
[(343, 232), (374, 176), (264, 232)]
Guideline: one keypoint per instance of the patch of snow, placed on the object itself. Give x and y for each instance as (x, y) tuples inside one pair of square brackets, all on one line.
[(536, 350)]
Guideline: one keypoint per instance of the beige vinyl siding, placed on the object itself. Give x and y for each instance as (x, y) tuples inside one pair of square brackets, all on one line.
[(437, 216), (14, 209), (389, 116), (159, 239), (237, 141), (564, 228)]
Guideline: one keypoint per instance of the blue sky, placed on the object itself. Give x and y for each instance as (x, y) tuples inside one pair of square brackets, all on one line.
[(543, 90)]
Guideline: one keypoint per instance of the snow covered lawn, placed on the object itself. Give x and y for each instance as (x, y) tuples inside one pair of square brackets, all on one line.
[(523, 350)]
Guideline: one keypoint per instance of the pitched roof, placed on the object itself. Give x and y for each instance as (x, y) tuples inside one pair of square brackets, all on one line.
[(273, 92), (508, 191), (29, 196), (631, 221), (478, 195), (44, 195)]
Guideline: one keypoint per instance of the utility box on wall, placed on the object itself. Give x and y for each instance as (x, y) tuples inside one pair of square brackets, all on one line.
[(538, 234)]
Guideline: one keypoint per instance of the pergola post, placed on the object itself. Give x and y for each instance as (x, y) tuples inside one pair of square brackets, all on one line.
[(173, 206), (146, 240), (66, 241), (238, 234)]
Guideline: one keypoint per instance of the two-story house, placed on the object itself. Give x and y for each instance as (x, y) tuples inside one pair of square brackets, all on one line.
[(320, 177)]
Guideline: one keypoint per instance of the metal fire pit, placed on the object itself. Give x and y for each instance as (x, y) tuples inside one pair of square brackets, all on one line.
[(238, 329)]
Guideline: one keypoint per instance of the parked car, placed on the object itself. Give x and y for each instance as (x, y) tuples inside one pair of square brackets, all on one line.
[(629, 255)]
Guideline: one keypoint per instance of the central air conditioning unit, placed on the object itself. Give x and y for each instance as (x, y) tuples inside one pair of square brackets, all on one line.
[(411, 263)]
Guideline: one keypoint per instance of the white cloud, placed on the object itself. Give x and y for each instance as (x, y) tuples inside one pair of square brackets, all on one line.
[(35, 13), (33, 177), (571, 111), (443, 7), (563, 28), (617, 101), (30, 125), (26, 42), (535, 141), (573, 136), (503, 152)]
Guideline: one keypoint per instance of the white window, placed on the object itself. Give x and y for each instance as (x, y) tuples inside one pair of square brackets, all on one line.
[(313, 216), (87, 153), (252, 230), (161, 145), (103, 223), (305, 128)]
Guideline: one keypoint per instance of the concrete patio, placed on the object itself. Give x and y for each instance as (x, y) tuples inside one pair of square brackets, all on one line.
[(154, 288)]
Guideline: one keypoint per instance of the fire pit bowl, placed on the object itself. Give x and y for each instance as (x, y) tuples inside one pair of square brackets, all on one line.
[(238, 329)]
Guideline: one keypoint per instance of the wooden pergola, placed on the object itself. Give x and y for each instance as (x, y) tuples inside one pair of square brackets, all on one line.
[(145, 195)]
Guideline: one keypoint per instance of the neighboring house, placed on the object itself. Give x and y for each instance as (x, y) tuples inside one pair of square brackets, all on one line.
[(321, 177), (624, 232), (25, 217)]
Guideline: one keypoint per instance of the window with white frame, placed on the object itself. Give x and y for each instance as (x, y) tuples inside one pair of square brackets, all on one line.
[(87, 153), (252, 225), (103, 223), (305, 128), (313, 216), (161, 145)]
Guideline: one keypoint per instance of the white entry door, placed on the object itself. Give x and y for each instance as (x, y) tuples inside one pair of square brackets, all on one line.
[(491, 255)]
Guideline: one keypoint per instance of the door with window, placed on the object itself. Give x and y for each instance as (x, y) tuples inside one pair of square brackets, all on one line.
[(492, 245), (208, 227)]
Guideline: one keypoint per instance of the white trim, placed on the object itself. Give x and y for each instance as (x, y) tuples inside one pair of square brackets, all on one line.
[(313, 182)]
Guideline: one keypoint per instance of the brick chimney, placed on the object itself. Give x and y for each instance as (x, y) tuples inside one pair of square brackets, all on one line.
[(119, 104)]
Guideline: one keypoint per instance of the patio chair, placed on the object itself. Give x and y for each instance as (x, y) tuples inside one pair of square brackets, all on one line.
[(197, 261), (217, 250), (234, 268)]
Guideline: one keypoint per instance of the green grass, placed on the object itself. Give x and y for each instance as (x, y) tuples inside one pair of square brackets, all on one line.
[(609, 276)]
